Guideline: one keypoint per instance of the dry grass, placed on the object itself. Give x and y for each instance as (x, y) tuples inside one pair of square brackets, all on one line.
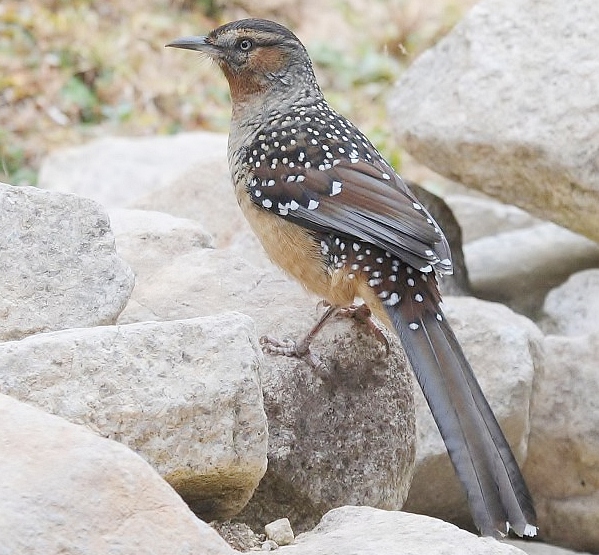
[(73, 70)]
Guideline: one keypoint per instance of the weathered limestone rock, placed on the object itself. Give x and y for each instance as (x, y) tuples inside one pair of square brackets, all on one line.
[(573, 307), (115, 171), (346, 437), (507, 104), (58, 264), (185, 395), (63, 489), (563, 457), (204, 192), (482, 217), (519, 267), (504, 351), (539, 548), (343, 437), (368, 531), (280, 531)]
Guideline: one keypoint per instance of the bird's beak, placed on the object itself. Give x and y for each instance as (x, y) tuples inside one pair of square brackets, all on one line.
[(196, 43)]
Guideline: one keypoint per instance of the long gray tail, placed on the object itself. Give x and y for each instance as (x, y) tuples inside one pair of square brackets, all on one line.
[(497, 494)]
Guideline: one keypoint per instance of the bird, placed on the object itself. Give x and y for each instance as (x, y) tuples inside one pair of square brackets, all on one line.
[(335, 215)]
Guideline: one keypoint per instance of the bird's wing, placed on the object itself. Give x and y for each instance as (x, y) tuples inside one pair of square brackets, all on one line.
[(355, 199)]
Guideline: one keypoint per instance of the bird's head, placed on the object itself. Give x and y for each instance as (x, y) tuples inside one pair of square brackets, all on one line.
[(257, 56)]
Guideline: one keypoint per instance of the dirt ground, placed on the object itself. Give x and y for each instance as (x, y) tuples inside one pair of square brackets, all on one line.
[(74, 70)]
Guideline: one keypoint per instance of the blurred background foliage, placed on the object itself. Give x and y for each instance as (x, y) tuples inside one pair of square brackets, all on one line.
[(72, 70)]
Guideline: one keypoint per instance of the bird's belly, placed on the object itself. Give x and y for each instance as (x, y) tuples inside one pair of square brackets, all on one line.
[(295, 250)]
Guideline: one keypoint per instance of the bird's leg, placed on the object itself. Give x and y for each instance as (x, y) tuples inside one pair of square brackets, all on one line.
[(301, 348), (363, 315)]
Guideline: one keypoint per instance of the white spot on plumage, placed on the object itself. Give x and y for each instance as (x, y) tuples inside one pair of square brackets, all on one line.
[(267, 203), (417, 206), (356, 246), (336, 187), (411, 282), (413, 326), (418, 298), (439, 317), (313, 204), (355, 266), (426, 269), (386, 176), (392, 277), (379, 260), (301, 178), (392, 300), (293, 205)]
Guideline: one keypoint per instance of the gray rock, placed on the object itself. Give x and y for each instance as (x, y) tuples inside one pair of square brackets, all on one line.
[(115, 171), (504, 351), (63, 489), (368, 531), (58, 264), (147, 238), (519, 267), (481, 217), (539, 548), (203, 192), (280, 531), (573, 307), (562, 468), (507, 104), (184, 394), (343, 438)]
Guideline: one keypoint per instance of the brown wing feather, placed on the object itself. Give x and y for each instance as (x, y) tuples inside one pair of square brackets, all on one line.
[(357, 200)]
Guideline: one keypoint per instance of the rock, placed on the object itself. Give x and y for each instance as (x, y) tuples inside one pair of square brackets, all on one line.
[(505, 104), (205, 193), (564, 423), (238, 535), (58, 264), (280, 531), (572, 308), (363, 405), (115, 171), (519, 267), (184, 394), (539, 548), (63, 489), (345, 436), (148, 238), (481, 217), (368, 531), (504, 351)]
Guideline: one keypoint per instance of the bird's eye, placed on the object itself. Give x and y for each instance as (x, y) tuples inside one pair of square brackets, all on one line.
[(245, 45)]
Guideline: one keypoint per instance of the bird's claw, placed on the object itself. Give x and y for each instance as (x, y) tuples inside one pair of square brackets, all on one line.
[(363, 315), (290, 348)]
